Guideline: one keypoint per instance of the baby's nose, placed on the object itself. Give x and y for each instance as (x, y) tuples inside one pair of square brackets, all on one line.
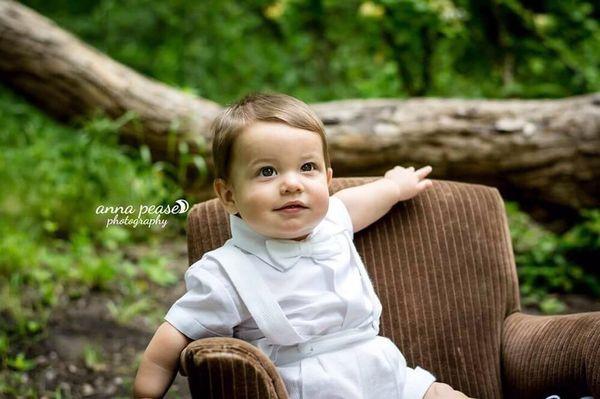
[(291, 183)]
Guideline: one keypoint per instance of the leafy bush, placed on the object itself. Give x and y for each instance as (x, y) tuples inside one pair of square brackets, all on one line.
[(552, 263), (334, 49), (53, 245)]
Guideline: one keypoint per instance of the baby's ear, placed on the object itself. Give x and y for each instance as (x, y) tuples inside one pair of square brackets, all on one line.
[(329, 177), (225, 194)]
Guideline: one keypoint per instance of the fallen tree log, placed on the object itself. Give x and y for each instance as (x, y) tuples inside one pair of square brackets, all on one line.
[(69, 79), (544, 151), (541, 151)]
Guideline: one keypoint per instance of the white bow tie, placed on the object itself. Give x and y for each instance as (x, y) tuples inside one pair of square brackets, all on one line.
[(286, 254)]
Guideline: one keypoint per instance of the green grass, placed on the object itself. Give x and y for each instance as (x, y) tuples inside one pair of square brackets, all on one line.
[(54, 247)]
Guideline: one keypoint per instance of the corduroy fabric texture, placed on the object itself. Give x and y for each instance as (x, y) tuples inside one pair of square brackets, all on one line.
[(442, 265), (544, 355), (230, 368)]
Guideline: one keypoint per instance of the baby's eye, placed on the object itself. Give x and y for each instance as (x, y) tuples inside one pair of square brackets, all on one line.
[(307, 167), (267, 171)]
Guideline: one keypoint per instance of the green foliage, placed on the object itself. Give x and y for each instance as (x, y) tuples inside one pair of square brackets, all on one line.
[(93, 358), (584, 236), (72, 173), (21, 363), (322, 50), (53, 245), (551, 263)]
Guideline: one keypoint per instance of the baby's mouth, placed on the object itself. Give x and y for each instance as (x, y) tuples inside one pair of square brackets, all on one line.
[(294, 205)]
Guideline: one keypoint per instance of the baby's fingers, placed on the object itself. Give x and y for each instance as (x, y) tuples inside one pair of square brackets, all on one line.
[(424, 184), (424, 171)]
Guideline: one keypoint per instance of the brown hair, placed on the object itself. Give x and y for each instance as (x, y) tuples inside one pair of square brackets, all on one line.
[(260, 107)]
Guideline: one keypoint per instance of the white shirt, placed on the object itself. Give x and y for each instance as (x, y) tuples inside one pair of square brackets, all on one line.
[(318, 298)]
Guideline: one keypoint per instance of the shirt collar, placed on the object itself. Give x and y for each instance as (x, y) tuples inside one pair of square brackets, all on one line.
[(244, 237)]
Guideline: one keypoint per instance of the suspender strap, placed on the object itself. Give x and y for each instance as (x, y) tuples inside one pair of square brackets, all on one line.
[(257, 297), (377, 308)]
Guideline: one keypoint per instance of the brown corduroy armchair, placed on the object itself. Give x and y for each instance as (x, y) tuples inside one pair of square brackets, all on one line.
[(443, 267)]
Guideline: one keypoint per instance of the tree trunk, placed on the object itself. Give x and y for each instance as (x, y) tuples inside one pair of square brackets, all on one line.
[(69, 79), (542, 151)]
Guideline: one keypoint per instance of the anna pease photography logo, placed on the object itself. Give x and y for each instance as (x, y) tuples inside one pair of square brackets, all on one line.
[(142, 215)]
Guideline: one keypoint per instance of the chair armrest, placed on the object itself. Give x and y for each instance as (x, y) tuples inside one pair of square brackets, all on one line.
[(544, 355), (224, 367)]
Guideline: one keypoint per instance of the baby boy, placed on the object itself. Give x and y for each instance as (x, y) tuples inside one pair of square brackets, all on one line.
[(273, 176)]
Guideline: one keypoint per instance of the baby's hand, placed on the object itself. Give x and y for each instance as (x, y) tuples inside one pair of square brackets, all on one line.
[(438, 390), (409, 181)]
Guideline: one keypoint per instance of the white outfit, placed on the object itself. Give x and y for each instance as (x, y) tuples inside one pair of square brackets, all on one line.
[(313, 291)]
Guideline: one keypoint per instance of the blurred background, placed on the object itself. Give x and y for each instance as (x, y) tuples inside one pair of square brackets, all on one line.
[(79, 300)]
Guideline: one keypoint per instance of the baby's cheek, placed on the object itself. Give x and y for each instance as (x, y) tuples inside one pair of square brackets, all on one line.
[(322, 201), (257, 196)]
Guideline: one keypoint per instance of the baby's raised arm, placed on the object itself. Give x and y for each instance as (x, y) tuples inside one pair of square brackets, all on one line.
[(159, 363), (369, 202)]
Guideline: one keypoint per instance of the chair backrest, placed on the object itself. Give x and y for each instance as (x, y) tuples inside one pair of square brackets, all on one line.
[(443, 267)]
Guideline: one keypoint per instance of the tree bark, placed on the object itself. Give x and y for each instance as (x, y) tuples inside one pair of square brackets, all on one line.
[(546, 152), (69, 79)]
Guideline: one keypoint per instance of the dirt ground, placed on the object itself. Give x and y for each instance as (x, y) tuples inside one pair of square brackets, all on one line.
[(88, 321), (60, 357)]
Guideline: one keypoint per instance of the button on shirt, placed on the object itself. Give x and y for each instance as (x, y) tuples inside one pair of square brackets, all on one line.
[(318, 297)]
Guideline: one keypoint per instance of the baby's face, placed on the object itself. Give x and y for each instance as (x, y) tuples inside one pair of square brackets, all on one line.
[(274, 164)]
